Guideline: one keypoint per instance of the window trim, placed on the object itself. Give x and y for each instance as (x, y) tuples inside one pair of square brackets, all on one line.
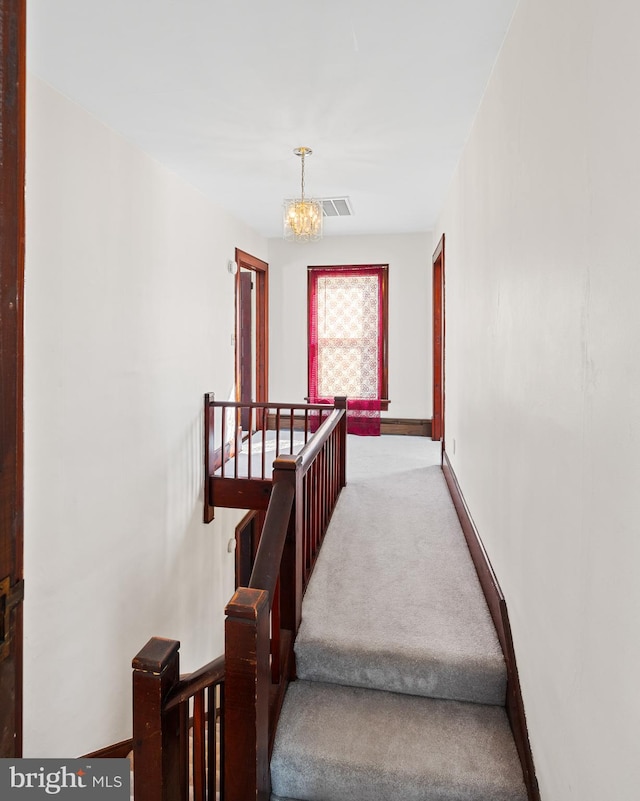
[(383, 272)]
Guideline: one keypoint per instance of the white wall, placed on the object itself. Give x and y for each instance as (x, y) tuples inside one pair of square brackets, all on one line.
[(410, 352), (129, 318), (543, 376)]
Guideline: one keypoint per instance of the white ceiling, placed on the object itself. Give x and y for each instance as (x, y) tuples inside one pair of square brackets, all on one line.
[(222, 91)]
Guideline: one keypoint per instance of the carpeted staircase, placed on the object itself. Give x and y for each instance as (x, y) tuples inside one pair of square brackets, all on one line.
[(401, 680)]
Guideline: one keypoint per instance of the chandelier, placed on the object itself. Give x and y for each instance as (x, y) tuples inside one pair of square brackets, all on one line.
[(302, 218)]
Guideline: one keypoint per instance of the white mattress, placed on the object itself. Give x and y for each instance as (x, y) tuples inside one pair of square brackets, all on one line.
[(272, 448)]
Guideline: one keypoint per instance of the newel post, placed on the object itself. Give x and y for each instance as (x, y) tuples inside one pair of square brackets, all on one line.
[(340, 402), (247, 685), (156, 741)]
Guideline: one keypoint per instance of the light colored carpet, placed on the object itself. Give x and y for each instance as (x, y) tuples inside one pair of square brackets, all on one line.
[(401, 678), (351, 744), (394, 602)]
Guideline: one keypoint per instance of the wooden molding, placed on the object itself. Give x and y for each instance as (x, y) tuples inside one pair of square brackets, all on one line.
[(115, 751), (12, 165), (407, 427), (500, 615), (488, 580), (246, 261), (438, 331), (240, 493)]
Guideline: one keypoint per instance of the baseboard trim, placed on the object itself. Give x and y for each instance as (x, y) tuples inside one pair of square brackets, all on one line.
[(499, 613), (115, 751), (405, 427)]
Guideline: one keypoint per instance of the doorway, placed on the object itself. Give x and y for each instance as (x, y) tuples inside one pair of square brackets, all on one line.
[(437, 428), (252, 333)]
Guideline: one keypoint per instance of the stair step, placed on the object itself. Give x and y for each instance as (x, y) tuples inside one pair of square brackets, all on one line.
[(335, 743), (394, 602), (361, 661)]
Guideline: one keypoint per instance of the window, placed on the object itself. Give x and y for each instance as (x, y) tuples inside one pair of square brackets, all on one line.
[(348, 334)]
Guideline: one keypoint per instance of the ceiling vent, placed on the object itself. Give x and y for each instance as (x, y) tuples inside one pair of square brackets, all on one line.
[(336, 207)]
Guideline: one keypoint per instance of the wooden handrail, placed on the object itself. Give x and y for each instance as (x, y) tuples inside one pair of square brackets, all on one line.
[(192, 683), (316, 443), (298, 407), (266, 568)]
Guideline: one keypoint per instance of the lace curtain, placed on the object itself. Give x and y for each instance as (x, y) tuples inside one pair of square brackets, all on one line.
[(345, 342)]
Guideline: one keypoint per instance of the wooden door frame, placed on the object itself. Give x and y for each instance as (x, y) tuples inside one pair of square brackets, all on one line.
[(244, 343), (261, 270), (12, 168), (438, 329)]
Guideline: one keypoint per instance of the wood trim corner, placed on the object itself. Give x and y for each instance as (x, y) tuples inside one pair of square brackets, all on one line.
[(500, 615)]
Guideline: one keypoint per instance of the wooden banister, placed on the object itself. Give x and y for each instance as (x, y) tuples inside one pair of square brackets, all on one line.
[(243, 691), (315, 445), (237, 430), (266, 568), (189, 685), (305, 490), (166, 760)]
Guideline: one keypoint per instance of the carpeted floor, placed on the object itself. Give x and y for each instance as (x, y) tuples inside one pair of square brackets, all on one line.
[(401, 677), (394, 602)]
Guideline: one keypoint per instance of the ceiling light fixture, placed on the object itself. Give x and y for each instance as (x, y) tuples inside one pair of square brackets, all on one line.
[(302, 218)]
